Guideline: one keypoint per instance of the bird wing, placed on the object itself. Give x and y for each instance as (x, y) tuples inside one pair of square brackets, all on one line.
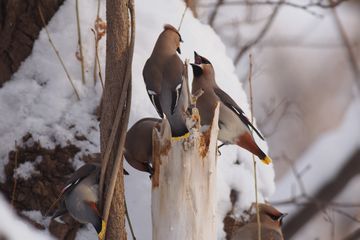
[(175, 96), (79, 175), (153, 79), (230, 103), (155, 100), (174, 73)]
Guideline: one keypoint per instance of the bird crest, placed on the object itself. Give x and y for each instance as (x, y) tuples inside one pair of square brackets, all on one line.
[(172, 28)]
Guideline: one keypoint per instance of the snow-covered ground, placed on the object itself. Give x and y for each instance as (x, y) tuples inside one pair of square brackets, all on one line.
[(39, 99)]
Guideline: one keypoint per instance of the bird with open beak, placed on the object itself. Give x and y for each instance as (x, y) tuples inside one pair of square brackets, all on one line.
[(164, 79), (80, 198), (234, 126)]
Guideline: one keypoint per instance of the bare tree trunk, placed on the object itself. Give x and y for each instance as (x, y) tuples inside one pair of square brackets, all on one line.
[(184, 184), (115, 113), (20, 24)]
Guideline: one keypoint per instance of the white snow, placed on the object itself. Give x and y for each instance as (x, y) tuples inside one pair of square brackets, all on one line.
[(37, 217), (13, 228), (39, 99), (25, 170)]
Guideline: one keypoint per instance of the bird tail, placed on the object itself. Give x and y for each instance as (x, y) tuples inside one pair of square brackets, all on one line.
[(267, 160), (247, 141), (102, 233)]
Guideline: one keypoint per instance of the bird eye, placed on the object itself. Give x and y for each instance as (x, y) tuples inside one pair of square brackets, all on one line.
[(275, 218)]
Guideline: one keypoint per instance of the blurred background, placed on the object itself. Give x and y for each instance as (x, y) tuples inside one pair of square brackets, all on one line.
[(305, 59)]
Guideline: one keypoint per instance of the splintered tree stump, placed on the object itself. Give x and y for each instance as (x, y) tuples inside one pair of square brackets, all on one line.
[(184, 183)]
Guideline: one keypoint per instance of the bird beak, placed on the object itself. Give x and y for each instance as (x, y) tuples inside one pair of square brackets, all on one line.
[(178, 50), (197, 69), (282, 217), (197, 58)]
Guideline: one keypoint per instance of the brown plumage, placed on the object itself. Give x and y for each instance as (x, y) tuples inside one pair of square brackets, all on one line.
[(163, 76), (138, 144), (234, 126), (271, 221)]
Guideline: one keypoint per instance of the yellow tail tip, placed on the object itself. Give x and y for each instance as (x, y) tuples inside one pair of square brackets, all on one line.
[(186, 135), (102, 233), (267, 160)]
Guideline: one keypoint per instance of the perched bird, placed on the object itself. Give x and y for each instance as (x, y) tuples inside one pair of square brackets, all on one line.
[(164, 79), (138, 144), (81, 196), (234, 126), (271, 221)]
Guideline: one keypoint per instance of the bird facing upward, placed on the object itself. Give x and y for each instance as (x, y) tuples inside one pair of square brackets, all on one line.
[(81, 198), (271, 221), (138, 144), (234, 126), (164, 79)]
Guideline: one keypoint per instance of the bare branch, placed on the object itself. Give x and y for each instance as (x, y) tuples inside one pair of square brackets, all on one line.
[(81, 56), (324, 196), (354, 235), (347, 44), (58, 54), (253, 157), (261, 34), (318, 4), (214, 12)]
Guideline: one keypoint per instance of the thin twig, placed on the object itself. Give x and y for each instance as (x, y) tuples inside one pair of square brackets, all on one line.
[(214, 13), (182, 18), (58, 54), (323, 197), (53, 204), (81, 57), (99, 32), (129, 221), (347, 44), (253, 156), (261, 34), (15, 178), (318, 4), (345, 214), (297, 176)]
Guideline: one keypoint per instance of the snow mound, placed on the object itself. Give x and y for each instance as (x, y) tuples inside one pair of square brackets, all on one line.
[(40, 100)]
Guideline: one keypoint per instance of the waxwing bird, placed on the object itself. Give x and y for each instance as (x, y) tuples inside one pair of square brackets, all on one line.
[(80, 198), (234, 126), (271, 221), (164, 79), (138, 144)]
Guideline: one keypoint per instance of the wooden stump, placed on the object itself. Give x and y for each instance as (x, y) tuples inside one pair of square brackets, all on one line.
[(184, 184)]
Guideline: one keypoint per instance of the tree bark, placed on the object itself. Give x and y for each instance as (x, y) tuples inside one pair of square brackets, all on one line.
[(184, 184), (326, 194), (20, 24), (115, 113)]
